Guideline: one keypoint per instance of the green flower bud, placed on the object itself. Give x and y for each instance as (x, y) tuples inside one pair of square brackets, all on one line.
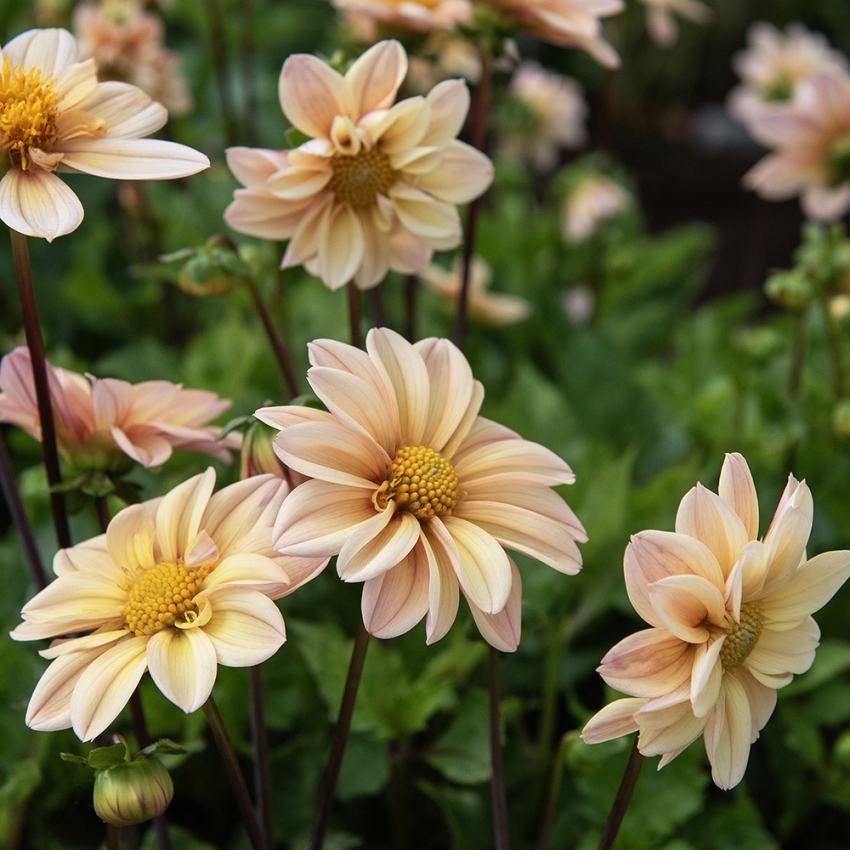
[(132, 792), (790, 289)]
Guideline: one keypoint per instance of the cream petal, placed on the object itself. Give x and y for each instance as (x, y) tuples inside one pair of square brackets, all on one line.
[(300, 571), (101, 639), (485, 571), (672, 738), (706, 517), (408, 253), (105, 686), (74, 86), (333, 452), (286, 415), (706, 676), (406, 377), (787, 538), (38, 203), (253, 166), (435, 222), (787, 651), (377, 545), (753, 563), (130, 538), (443, 590), (613, 721), (417, 161), (684, 603), (466, 423), (449, 103), (648, 663), (737, 489), (727, 735), (129, 113), (182, 664), (75, 602), (397, 599), (49, 50), (503, 630), (653, 555), (400, 127), (306, 241), (463, 175), (178, 516), (245, 629), (811, 587), (374, 78), (824, 203), (295, 184), (312, 94), (90, 556), (131, 159), (259, 572), (762, 699), (376, 254)]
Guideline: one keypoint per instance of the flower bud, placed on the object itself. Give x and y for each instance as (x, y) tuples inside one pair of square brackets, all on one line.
[(790, 289), (132, 792)]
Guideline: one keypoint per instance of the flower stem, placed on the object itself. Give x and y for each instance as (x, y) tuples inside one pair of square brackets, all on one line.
[(248, 69), (552, 796), (220, 66), (479, 141), (376, 307), (354, 315), (234, 773), (343, 724), (262, 776), (500, 808), (621, 801), (113, 837), (410, 290), (35, 343), (20, 519), (102, 508)]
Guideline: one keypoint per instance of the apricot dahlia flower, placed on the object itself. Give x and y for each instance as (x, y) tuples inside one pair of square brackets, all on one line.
[(375, 188), (56, 116), (731, 623), (100, 423), (176, 586), (415, 492)]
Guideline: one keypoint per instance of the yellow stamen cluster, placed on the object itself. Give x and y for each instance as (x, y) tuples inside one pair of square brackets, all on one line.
[(742, 637), (160, 596), (419, 480), (28, 113), (357, 180)]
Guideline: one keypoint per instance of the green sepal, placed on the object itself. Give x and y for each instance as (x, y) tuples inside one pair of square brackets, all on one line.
[(103, 757)]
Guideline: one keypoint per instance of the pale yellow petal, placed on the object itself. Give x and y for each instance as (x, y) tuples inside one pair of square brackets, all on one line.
[(685, 603), (178, 517), (377, 546), (130, 539), (503, 630), (737, 489), (396, 600), (182, 664), (131, 159), (38, 203)]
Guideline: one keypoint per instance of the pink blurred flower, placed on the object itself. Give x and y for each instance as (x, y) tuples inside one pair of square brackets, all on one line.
[(568, 23), (176, 586), (810, 137), (415, 492), (594, 200), (100, 423), (415, 15), (56, 116), (375, 188), (127, 44), (731, 623), (661, 24)]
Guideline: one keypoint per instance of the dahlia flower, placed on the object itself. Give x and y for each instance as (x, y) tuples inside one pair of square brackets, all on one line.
[(375, 188), (731, 623), (489, 308), (810, 136), (593, 201), (415, 492), (568, 23), (101, 424), (415, 15), (56, 116), (661, 24), (554, 117), (176, 586)]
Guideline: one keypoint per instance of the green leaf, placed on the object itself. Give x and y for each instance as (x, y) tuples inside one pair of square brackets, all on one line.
[(103, 757), (462, 754), (162, 747)]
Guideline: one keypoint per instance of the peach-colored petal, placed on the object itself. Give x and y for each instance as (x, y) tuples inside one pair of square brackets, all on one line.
[(706, 676), (435, 222), (737, 489), (400, 127), (787, 538), (448, 104), (647, 663), (443, 590), (374, 78), (312, 94), (295, 184), (684, 603), (130, 539), (131, 159), (179, 515), (787, 651), (503, 630), (463, 174), (38, 203), (727, 734), (182, 663), (397, 599), (613, 721), (286, 415), (378, 545), (253, 166)]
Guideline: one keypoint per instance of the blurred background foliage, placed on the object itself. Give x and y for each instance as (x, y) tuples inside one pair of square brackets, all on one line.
[(675, 358)]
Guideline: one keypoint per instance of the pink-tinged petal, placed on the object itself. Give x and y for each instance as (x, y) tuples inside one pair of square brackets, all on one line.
[(448, 102), (779, 176), (111, 401), (38, 203), (684, 603), (300, 571), (503, 630), (400, 127), (787, 538), (706, 676), (665, 709), (374, 78), (182, 664), (333, 452), (525, 531), (259, 213), (408, 253), (435, 222), (762, 699), (406, 377), (417, 161), (49, 50), (443, 590), (318, 517), (147, 445), (131, 159), (178, 517), (737, 489), (673, 736), (378, 545), (130, 539), (787, 651), (810, 588), (129, 113), (397, 599), (753, 563), (466, 423), (75, 602), (245, 629), (647, 664), (614, 721), (295, 184), (253, 166), (485, 571), (357, 403), (307, 238), (105, 686), (824, 203), (706, 517), (312, 94), (286, 415), (727, 735), (463, 175), (339, 355), (258, 572), (653, 555)]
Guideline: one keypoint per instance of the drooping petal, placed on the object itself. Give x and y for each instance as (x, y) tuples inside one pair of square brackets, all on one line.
[(727, 735), (503, 630), (378, 545), (443, 591), (397, 599), (182, 664), (37, 203), (613, 721)]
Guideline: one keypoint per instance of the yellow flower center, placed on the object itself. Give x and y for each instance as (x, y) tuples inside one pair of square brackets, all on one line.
[(357, 180), (419, 480), (28, 113), (160, 597), (741, 638)]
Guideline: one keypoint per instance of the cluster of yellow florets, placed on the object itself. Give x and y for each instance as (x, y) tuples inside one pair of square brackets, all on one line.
[(359, 179), (422, 481), (161, 596), (742, 637)]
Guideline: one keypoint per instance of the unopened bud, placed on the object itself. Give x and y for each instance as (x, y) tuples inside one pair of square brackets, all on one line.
[(258, 456), (791, 289), (132, 792)]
